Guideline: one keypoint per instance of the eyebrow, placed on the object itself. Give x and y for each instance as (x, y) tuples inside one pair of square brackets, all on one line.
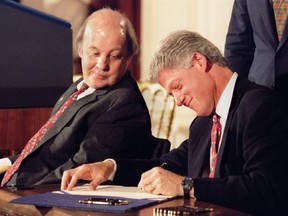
[(93, 48)]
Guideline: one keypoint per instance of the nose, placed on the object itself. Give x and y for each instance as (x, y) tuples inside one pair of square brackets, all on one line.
[(102, 63), (177, 99)]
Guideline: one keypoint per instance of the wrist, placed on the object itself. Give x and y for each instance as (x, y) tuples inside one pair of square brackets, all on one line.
[(188, 186), (112, 167)]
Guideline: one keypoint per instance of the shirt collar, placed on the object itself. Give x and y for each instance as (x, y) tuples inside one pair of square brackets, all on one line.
[(224, 103), (86, 92)]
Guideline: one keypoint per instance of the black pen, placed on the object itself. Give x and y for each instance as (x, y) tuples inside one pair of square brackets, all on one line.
[(163, 165), (105, 201)]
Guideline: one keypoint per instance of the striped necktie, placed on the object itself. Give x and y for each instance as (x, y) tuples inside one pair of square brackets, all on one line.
[(215, 138), (280, 12), (32, 143)]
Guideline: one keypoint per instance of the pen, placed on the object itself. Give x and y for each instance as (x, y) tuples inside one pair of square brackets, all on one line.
[(93, 202), (104, 201), (163, 165)]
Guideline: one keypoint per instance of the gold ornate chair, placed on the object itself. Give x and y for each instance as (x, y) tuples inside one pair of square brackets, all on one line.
[(161, 108)]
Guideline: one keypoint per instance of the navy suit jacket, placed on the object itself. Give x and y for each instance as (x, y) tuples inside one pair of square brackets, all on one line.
[(111, 122), (252, 167), (252, 46)]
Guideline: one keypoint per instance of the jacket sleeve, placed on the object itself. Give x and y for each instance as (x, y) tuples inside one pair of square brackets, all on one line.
[(239, 45)]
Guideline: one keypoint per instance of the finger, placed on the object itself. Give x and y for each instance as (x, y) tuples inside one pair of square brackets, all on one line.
[(65, 180), (155, 190), (93, 185), (151, 187), (142, 184), (73, 182), (145, 180)]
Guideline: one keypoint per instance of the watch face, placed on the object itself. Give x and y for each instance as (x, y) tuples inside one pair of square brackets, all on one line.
[(187, 183)]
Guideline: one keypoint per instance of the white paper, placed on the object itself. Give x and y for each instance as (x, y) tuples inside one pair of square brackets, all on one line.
[(113, 190)]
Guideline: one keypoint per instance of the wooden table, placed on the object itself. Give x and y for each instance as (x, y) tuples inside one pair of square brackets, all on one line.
[(7, 208)]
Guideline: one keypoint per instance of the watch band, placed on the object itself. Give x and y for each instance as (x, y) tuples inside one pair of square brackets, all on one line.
[(187, 184)]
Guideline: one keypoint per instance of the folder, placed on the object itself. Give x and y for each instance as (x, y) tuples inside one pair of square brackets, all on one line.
[(71, 201)]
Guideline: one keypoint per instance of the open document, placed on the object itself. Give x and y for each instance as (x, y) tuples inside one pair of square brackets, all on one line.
[(114, 190)]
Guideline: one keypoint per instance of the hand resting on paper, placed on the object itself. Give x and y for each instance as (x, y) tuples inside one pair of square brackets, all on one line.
[(96, 172)]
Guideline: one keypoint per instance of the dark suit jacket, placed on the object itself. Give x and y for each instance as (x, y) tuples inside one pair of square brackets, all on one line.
[(252, 47), (252, 167), (111, 122)]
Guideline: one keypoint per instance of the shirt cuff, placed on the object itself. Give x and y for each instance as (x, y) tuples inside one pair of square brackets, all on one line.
[(5, 162), (111, 177)]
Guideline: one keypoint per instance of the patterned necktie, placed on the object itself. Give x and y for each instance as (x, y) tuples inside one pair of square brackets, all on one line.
[(37, 137), (215, 138), (280, 11)]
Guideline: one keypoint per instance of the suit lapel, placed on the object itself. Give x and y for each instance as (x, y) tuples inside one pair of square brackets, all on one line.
[(239, 90), (268, 20), (64, 97), (69, 113)]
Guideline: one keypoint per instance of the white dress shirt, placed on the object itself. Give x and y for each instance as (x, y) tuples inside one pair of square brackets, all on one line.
[(224, 103)]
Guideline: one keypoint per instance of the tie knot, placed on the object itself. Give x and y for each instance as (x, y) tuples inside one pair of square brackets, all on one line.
[(216, 118), (84, 86)]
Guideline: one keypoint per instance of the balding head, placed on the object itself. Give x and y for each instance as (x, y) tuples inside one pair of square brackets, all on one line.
[(107, 17)]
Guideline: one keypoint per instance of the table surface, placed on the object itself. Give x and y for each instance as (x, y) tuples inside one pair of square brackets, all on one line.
[(18, 209)]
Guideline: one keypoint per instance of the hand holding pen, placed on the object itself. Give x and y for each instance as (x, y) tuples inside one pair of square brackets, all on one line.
[(161, 181)]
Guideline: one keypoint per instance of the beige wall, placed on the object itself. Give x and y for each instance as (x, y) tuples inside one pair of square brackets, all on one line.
[(210, 18)]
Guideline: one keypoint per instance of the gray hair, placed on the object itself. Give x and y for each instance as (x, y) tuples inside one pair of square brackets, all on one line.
[(124, 22), (176, 51)]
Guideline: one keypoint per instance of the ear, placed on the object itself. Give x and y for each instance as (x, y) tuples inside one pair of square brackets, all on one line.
[(80, 51), (128, 62), (200, 61)]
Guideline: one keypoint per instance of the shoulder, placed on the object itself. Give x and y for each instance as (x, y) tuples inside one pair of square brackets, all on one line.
[(259, 103), (258, 94), (246, 91), (127, 88)]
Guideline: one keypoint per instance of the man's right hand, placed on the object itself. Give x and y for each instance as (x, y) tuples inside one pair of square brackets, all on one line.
[(96, 172)]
